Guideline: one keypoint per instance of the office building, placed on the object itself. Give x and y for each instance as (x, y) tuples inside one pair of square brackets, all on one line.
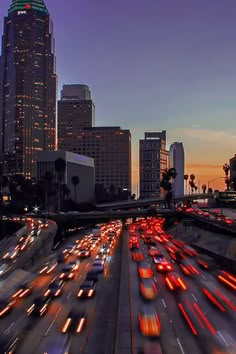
[(153, 160), (232, 164), (176, 160), (27, 87), (75, 112), (76, 165), (111, 149)]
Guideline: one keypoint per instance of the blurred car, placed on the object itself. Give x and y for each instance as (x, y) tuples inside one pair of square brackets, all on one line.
[(177, 256), (227, 279), (67, 272), (144, 270), (58, 344), (84, 253), (92, 275), (55, 288), (195, 317), (149, 322), (164, 265), (154, 251), (23, 290), (74, 322), (206, 262), (48, 268), (174, 281), (9, 343), (217, 297), (98, 266), (148, 289), (188, 267), (11, 253), (137, 256), (4, 268), (74, 265), (39, 307), (101, 255), (6, 306), (190, 251), (87, 289)]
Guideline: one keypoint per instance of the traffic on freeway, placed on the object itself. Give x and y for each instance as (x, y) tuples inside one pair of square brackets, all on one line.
[(115, 290)]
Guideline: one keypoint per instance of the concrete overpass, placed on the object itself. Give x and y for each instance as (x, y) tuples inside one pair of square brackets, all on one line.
[(136, 203)]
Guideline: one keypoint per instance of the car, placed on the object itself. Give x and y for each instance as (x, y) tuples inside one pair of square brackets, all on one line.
[(144, 270), (11, 253), (92, 275), (158, 259), (190, 251), (206, 262), (55, 288), (23, 290), (195, 317), (101, 255), (98, 266), (48, 267), (84, 253), (74, 265), (74, 322), (137, 256), (9, 343), (4, 268), (227, 279), (217, 297), (148, 289), (149, 322), (188, 267), (87, 289), (67, 272), (39, 307), (174, 281), (154, 251), (6, 307), (177, 256), (164, 266)]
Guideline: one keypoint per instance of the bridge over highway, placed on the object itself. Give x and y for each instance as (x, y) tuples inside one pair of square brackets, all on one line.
[(138, 203)]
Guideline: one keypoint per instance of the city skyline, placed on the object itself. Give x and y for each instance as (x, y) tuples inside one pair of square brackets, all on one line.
[(186, 86)]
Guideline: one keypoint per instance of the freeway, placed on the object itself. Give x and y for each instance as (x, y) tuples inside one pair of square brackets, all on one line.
[(109, 322)]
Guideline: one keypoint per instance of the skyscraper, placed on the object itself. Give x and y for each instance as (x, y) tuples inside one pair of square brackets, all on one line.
[(75, 112), (153, 160), (111, 149), (176, 160), (27, 87)]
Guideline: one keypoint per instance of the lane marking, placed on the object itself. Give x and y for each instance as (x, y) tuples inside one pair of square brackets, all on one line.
[(68, 295), (164, 304), (223, 338), (194, 297), (180, 346), (49, 328), (8, 328)]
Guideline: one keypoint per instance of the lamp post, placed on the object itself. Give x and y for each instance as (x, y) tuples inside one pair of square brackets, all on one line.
[(214, 179)]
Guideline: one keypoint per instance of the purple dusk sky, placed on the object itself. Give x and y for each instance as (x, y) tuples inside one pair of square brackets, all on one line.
[(153, 65)]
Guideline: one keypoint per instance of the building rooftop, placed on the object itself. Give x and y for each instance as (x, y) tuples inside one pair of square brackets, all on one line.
[(24, 5)]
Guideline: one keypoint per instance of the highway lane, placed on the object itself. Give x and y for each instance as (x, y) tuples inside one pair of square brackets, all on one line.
[(50, 326), (222, 323)]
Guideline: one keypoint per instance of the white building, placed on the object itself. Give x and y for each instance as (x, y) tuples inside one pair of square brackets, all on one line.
[(76, 165), (177, 161)]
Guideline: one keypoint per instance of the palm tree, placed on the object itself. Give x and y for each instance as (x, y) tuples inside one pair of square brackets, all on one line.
[(60, 167), (192, 183), (204, 187), (75, 180), (186, 182), (226, 169), (167, 176)]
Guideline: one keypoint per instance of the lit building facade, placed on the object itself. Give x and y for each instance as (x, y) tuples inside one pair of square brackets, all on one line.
[(76, 165), (76, 111), (177, 161), (111, 149), (27, 87), (153, 160)]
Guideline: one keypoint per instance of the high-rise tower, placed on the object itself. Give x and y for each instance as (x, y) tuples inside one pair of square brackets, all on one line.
[(176, 160), (27, 87)]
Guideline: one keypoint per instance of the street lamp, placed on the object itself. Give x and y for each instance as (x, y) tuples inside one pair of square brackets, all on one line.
[(36, 209), (214, 179)]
